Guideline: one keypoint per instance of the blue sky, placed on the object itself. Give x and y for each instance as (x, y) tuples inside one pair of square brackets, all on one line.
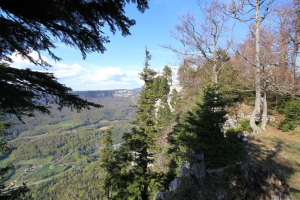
[(119, 66)]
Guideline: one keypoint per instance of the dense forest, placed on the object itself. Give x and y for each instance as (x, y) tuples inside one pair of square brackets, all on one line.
[(185, 141)]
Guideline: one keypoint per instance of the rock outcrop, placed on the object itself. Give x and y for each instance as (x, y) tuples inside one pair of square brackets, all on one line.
[(229, 123), (198, 168), (259, 183), (239, 181)]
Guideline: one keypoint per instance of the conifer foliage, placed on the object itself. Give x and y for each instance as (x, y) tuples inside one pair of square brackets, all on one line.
[(200, 130), (141, 138), (30, 25), (291, 109), (107, 165), (9, 192), (137, 179), (167, 72), (22, 92)]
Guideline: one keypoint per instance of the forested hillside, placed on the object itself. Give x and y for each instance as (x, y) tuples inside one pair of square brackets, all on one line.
[(46, 146)]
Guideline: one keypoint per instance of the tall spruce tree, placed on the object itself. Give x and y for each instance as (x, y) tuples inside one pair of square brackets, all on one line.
[(167, 72), (200, 130), (164, 114), (107, 165), (139, 141)]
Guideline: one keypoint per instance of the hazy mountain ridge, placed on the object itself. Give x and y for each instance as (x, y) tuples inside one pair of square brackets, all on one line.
[(116, 107), (107, 93)]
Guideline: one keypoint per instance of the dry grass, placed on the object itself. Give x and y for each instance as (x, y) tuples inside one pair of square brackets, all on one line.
[(279, 152)]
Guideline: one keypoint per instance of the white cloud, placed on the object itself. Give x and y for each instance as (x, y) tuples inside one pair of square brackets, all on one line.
[(161, 52), (85, 77), (66, 71)]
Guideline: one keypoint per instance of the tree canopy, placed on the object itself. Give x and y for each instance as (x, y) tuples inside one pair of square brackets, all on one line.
[(36, 26), (30, 25)]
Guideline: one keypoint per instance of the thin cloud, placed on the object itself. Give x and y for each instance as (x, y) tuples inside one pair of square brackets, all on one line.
[(85, 77), (161, 52)]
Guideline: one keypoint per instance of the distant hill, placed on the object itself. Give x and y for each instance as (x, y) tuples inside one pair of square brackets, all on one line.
[(116, 107), (137, 89), (118, 93)]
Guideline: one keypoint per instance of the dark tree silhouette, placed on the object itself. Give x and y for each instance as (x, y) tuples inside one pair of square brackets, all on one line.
[(31, 25)]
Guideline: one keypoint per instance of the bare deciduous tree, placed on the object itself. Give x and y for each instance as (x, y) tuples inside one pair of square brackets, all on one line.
[(245, 11), (201, 40)]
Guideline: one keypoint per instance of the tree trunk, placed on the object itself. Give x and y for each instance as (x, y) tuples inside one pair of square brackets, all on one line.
[(295, 40), (215, 70), (256, 110), (265, 109), (144, 192)]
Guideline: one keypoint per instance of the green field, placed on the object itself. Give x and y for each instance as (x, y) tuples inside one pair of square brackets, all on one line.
[(49, 168), (66, 123), (5, 161), (17, 176), (35, 161), (43, 168)]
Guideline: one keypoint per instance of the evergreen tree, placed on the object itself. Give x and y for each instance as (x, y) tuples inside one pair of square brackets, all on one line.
[(167, 72), (156, 84), (291, 109), (202, 125), (161, 83), (139, 141), (174, 98), (190, 80), (164, 87), (164, 114), (161, 86), (8, 192), (200, 130), (107, 165)]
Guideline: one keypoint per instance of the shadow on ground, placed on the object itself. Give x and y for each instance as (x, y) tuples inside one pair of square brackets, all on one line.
[(278, 152)]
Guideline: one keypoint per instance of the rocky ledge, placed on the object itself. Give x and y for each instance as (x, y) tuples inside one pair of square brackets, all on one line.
[(240, 181)]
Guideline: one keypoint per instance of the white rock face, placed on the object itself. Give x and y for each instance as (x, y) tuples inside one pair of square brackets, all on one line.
[(184, 170), (158, 102), (123, 93), (178, 89), (174, 184), (229, 123)]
